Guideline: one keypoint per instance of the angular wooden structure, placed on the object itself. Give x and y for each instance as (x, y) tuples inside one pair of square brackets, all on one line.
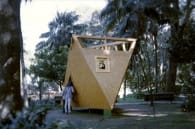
[(97, 71)]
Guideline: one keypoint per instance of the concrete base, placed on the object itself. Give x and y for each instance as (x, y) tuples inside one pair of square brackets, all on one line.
[(107, 113)]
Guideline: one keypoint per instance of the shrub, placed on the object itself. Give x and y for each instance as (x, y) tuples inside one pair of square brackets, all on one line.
[(32, 118)]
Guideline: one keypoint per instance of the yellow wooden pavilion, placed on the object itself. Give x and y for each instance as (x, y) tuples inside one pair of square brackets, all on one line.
[(97, 71)]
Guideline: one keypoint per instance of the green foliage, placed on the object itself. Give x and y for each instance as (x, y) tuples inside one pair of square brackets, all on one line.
[(51, 54), (29, 119), (184, 80), (95, 25), (60, 30), (132, 98), (50, 64), (165, 32), (61, 124)]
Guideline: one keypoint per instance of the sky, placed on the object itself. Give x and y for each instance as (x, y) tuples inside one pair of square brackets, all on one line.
[(36, 15)]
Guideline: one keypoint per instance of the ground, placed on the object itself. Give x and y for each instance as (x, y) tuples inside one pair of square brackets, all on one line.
[(164, 115)]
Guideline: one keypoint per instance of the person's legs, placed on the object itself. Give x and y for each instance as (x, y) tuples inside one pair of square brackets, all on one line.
[(63, 107), (69, 105), (66, 106)]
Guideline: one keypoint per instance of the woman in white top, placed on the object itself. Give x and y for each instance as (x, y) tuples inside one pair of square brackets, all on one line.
[(67, 96)]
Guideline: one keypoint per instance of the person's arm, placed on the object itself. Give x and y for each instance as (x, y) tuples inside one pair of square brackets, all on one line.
[(72, 89), (64, 91)]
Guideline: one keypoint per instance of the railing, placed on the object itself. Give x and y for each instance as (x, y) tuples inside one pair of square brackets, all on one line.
[(111, 43)]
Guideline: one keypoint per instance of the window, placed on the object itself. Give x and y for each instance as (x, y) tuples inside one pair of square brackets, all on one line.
[(102, 64)]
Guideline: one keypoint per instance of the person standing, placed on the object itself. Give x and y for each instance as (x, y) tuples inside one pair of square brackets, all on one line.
[(68, 96)]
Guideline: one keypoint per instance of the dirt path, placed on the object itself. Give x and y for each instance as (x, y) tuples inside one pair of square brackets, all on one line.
[(86, 114), (121, 116)]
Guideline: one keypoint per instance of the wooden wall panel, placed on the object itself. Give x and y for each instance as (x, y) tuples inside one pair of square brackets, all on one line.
[(96, 88)]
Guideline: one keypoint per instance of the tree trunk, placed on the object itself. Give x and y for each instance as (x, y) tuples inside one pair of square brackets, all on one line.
[(40, 89), (156, 74), (175, 37), (10, 48), (23, 81), (125, 89), (171, 75)]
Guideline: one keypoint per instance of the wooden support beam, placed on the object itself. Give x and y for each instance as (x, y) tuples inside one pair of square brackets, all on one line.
[(115, 47), (105, 38), (124, 48), (132, 46), (110, 44)]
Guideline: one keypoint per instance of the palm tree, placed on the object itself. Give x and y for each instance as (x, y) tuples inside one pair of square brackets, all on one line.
[(137, 18), (132, 18), (10, 47), (60, 30), (51, 55)]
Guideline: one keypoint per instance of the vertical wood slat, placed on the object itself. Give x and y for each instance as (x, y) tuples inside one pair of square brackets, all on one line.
[(124, 47), (115, 48), (132, 46)]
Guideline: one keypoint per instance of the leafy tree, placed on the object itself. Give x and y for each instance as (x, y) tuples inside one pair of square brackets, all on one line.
[(51, 54), (60, 31), (183, 79), (129, 18), (182, 37), (143, 19), (50, 64), (95, 26)]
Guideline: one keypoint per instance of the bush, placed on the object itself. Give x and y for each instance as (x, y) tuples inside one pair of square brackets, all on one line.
[(33, 118)]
